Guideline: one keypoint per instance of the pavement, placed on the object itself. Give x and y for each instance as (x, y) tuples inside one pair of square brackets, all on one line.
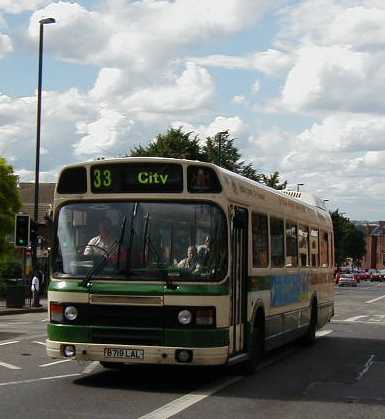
[(4, 310)]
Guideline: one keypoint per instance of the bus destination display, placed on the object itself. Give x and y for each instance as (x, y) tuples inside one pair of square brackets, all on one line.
[(136, 177)]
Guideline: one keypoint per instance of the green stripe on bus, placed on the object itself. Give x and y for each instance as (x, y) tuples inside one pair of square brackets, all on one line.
[(196, 338), (99, 287), (68, 333), (260, 283)]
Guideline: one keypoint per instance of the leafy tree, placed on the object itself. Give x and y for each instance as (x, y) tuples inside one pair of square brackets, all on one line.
[(174, 144), (218, 149), (273, 180), (9, 201), (349, 241)]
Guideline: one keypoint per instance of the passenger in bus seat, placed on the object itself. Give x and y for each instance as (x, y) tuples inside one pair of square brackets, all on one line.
[(204, 252), (190, 263)]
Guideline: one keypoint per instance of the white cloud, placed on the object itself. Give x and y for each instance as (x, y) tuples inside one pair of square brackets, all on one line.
[(239, 100), (5, 45), (142, 34), (335, 78), (233, 124), (256, 87), (19, 6), (101, 136), (192, 90), (346, 133), (269, 62)]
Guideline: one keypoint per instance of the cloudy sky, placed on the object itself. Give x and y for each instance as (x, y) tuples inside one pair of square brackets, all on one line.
[(300, 84)]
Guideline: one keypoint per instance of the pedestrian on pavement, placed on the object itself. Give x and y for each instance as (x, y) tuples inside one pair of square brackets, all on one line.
[(35, 288)]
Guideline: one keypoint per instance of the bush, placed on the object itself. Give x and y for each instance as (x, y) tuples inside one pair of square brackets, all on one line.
[(10, 268)]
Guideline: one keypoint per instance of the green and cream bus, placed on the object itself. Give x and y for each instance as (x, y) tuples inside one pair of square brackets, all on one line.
[(265, 275)]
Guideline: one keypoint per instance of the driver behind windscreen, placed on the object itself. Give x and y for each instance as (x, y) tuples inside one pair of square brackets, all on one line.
[(99, 245)]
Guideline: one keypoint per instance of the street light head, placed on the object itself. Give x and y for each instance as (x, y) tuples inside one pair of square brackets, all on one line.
[(47, 21)]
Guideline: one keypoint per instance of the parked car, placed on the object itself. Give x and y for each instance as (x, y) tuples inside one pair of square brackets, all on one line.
[(347, 279), (377, 275)]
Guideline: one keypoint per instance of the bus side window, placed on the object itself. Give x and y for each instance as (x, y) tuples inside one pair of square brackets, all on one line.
[(314, 247), (303, 245), (291, 245), (277, 243), (324, 249), (260, 240)]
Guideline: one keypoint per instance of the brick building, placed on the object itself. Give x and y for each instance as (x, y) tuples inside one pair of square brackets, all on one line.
[(375, 246)]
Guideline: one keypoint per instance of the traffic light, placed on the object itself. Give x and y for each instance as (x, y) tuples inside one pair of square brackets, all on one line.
[(22, 230)]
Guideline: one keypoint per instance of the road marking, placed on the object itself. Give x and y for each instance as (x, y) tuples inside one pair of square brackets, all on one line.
[(90, 368), (33, 380), (368, 364), (322, 333), (353, 319), (10, 366), (55, 362), (8, 343), (40, 343), (375, 299), (184, 402), (45, 320)]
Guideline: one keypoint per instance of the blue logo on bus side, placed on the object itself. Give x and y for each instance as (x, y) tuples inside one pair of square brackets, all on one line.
[(290, 289)]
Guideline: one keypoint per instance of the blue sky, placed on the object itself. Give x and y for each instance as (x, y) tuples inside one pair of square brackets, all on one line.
[(299, 84)]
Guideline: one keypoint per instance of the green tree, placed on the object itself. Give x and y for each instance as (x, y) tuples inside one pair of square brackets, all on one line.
[(273, 180), (349, 241), (9, 201), (174, 144), (220, 150)]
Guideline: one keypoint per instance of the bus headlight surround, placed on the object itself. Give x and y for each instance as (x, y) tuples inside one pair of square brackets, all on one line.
[(71, 313), (185, 317)]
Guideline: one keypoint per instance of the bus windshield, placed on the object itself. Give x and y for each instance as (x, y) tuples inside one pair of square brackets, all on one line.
[(141, 240)]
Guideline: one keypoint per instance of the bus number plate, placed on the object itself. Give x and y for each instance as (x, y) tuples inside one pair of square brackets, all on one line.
[(124, 353)]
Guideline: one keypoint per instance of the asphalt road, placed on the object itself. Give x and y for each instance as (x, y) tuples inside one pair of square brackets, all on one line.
[(342, 376)]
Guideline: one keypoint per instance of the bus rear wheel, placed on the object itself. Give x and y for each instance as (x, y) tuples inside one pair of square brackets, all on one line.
[(310, 337)]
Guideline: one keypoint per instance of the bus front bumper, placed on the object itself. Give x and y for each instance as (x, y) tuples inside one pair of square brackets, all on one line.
[(129, 354)]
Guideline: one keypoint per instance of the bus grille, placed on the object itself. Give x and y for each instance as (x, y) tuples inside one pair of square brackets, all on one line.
[(111, 336)]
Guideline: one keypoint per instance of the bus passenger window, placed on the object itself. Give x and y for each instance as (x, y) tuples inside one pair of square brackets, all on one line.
[(277, 243), (303, 245), (324, 249), (291, 245), (260, 241), (314, 247)]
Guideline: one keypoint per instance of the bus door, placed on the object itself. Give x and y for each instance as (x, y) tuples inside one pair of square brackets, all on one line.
[(238, 280)]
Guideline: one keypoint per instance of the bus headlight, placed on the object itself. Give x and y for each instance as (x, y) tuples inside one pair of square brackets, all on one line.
[(71, 313), (185, 317)]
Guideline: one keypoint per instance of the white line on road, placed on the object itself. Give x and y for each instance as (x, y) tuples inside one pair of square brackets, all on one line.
[(90, 368), (40, 343), (182, 403), (375, 299), (55, 362), (8, 343), (368, 364), (10, 366), (45, 320), (353, 319), (33, 380), (322, 333)]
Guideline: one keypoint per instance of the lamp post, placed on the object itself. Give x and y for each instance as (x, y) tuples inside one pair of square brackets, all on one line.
[(42, 22), (298, 185)]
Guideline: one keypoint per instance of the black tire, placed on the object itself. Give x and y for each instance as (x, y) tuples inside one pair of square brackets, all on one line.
[(257, 347), (310, 337)]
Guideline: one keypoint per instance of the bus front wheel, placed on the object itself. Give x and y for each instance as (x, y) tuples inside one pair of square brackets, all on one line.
[(257, 346)]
